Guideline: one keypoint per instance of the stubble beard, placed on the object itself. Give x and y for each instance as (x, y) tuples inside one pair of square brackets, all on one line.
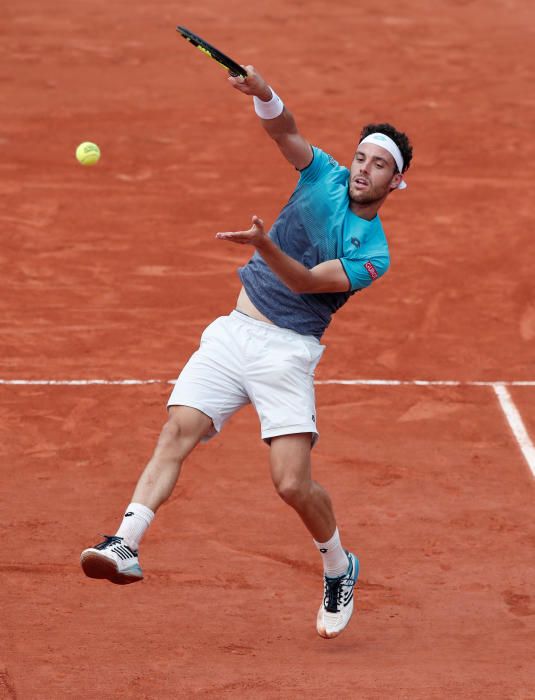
[(364, 197)]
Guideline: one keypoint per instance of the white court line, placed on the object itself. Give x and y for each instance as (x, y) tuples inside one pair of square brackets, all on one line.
[(516, 424), (344, 382), (84, 382), (500, 389), (420, 382)]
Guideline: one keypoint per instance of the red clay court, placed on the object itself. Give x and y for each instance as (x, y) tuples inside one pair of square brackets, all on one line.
[(111, 273)]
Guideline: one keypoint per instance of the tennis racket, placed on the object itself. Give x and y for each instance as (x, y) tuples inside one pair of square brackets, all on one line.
[(234, 68)]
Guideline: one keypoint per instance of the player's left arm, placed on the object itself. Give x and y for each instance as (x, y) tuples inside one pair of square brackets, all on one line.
[(328, 276)]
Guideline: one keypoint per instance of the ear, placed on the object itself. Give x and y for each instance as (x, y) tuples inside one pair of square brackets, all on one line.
[(394, 182)]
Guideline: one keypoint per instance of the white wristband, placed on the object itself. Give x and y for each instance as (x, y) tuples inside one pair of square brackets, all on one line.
[(271, 109)]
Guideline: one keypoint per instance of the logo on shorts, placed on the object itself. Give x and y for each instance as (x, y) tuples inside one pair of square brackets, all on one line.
[(371, 270), (313, 418), (129, 513)]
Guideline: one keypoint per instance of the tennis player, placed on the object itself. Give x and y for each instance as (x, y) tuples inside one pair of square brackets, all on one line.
[(326, 244)]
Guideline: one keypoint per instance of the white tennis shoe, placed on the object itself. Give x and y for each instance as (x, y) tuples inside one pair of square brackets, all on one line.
[(337, 605), (112, 559)]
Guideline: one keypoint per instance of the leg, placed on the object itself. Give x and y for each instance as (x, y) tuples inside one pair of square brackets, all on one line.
[(182, 432), (291, 474), (116, 559), (212, 380)]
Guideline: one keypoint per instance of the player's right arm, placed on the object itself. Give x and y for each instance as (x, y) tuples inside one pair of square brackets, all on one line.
[(282, 129)]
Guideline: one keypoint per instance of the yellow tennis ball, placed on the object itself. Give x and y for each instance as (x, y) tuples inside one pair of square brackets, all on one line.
[(88, 153)]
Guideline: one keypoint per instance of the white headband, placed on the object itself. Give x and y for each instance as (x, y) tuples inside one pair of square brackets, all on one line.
[(391, 146)]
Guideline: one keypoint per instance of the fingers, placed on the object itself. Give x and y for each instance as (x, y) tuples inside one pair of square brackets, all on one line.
[(233, 237), (233, 234), (252, 236), (238, 76), (237, 80), (249, 85)]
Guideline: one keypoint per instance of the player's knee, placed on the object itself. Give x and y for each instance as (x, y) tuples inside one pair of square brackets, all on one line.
[(171, 434), (293, 491)]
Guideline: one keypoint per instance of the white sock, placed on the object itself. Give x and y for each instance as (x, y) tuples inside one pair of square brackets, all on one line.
[(136, 520), (335, 561)]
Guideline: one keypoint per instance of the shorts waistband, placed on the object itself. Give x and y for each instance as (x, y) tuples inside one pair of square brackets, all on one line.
[(244, 318)]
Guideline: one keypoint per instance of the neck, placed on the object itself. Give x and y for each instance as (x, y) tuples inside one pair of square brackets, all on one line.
[(368, 210)]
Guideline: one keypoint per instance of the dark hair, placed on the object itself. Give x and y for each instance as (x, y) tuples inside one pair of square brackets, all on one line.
[(399, 138)]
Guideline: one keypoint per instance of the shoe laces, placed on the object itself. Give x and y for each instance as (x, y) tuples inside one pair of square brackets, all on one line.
[(334, 590), (333, 593), (109, 541)]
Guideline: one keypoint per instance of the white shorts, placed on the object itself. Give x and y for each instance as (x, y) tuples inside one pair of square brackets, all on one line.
[(241, 360)]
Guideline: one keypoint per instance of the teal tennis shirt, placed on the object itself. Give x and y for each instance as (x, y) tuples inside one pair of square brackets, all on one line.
[(317, 225)]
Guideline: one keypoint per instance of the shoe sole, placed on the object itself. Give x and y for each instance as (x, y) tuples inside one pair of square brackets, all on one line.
[(96, 566)]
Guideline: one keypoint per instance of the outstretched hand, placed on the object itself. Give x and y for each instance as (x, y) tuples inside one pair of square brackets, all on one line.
[(253, 84), (254, 236)]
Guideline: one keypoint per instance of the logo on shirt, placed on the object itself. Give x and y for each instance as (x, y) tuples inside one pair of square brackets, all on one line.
[(371, 270), (355, 242)]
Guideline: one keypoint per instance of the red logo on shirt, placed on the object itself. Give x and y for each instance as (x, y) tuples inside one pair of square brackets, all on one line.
[(371, 270)]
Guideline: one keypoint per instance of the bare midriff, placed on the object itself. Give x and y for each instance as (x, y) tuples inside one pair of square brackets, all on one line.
[(246, 306)]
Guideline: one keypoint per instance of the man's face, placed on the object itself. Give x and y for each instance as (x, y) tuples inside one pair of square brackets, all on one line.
[(373, 174)]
